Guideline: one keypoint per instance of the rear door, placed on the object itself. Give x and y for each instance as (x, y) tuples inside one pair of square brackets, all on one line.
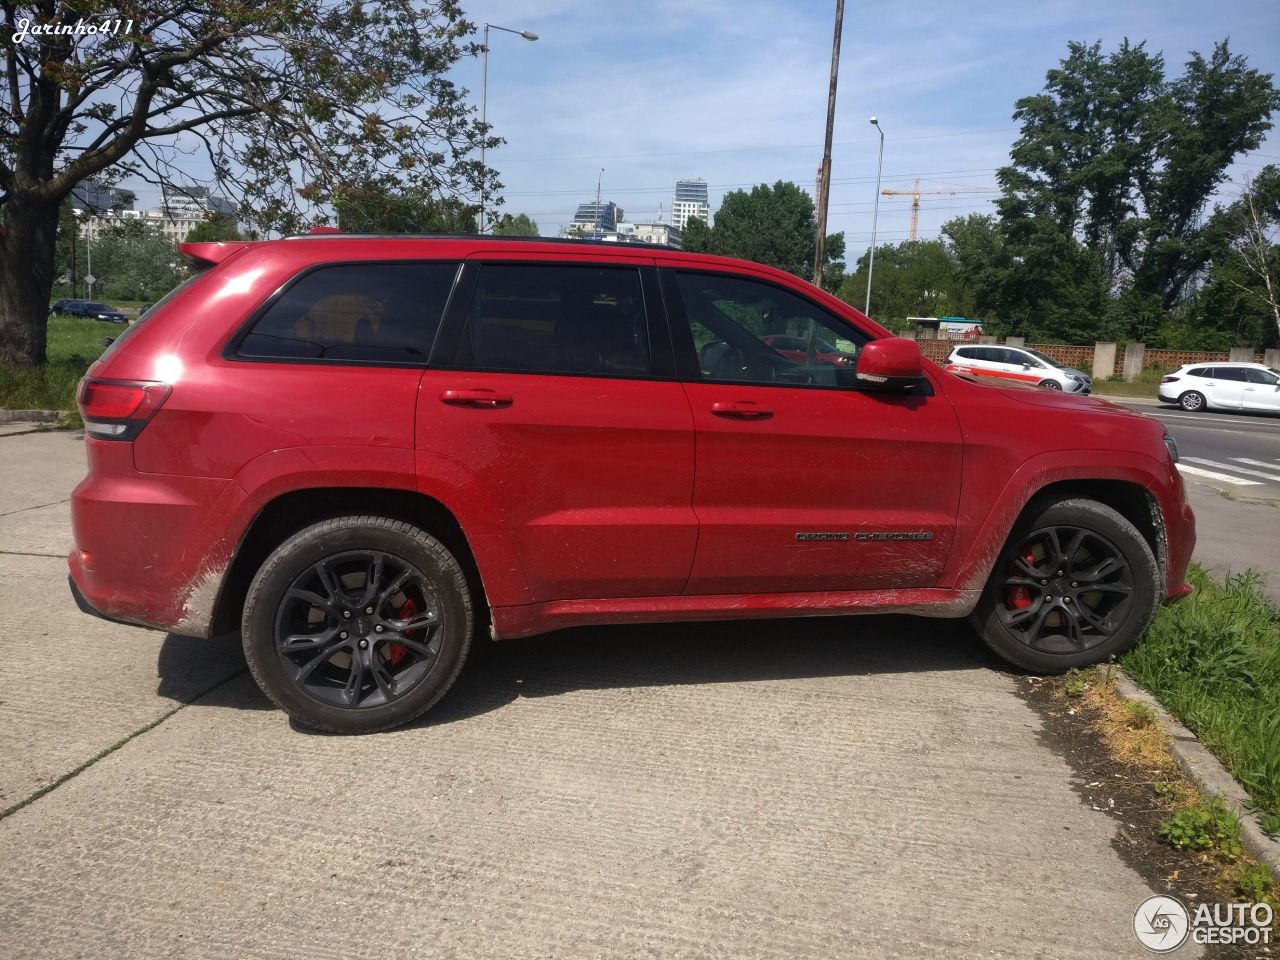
[(564, 409), (1225, 387), (804, 482)]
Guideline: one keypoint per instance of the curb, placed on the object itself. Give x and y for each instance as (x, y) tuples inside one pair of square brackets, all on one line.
[(32, 416), (1208, 774)]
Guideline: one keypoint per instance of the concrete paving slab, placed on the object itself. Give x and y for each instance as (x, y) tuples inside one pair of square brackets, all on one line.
[(1233, 536), (37, 469), (44, 531), (73, 685), (865, 787)]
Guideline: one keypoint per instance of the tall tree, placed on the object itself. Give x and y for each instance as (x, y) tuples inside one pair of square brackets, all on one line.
[(213, 229), (1116, 165), (521, 225), (375, 207), (1246, 271), (696, 236), (289, 99), (773, 225)]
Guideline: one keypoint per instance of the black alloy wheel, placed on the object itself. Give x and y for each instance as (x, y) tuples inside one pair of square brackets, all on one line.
[(358, 629), (1065, 590)]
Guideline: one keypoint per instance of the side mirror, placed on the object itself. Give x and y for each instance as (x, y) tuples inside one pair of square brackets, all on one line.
[(893, 364)]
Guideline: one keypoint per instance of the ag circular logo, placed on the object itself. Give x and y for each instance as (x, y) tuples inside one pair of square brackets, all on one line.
[(1161, 923)]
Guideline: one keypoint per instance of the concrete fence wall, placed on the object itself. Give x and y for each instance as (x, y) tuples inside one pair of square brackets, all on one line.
[(1109, 360)]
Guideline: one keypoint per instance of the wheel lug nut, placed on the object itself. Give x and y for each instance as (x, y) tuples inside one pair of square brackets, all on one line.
[(1074, 584), (1059, 573), (378, 629), (1044, 583), (364, 644), (346, 614), (1066, 599), (343, 635), (1048, 599), (368, 609)]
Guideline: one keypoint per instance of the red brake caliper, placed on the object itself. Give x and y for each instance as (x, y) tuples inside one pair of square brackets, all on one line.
[(397, 651), (1019, 597)]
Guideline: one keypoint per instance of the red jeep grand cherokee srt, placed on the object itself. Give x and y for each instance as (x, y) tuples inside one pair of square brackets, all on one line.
[(362, 450)]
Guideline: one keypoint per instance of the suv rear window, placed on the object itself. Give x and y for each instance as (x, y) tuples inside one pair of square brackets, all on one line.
[(570, 319), (366, 312)]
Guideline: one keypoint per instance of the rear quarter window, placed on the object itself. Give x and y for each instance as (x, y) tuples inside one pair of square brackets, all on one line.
[(355, 312), (1198, 372)]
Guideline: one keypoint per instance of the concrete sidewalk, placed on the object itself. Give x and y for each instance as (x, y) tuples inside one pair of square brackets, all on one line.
[(860, 787)]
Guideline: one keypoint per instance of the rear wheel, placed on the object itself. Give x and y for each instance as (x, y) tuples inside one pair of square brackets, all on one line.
[(1191, 401), (357, 624), (1075, 585)]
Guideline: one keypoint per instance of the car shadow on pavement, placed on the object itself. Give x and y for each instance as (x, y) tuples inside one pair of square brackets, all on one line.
[(593, 658)]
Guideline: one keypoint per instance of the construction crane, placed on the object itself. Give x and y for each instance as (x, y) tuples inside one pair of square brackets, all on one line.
[(915, 193)]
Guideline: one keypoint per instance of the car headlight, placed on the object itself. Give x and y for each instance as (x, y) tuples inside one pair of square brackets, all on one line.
[(1171, 445)]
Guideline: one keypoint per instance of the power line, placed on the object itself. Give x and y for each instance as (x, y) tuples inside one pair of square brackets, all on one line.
[(758, 149)]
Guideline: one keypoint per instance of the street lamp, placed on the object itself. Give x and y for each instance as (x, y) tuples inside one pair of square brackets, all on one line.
[(875, 216), (484, 105)]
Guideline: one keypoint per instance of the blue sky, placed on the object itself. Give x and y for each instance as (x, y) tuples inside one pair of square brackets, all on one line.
[(735, 93)]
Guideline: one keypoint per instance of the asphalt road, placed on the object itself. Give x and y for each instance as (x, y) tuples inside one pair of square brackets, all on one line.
[(853, 787), (1238, 453)]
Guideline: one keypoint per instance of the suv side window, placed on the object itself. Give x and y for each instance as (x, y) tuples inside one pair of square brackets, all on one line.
[(1200, 372), (966, 353), (368, 312), (730, 316), (1261, 376), (576, 319), (1231, 373)]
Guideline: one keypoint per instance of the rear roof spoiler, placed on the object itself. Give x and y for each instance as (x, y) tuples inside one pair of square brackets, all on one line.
[(209, 253)]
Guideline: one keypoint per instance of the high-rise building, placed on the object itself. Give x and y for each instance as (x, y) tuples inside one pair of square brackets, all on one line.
[(690, 200), (595, 217)]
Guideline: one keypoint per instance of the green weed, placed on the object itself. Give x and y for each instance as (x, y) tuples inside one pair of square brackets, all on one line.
[(1204, 826)]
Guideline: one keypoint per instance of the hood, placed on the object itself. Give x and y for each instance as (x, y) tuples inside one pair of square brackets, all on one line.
[(1040, 397)]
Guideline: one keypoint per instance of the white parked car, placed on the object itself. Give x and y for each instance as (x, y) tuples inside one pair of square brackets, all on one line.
[(1018, 364), (1222, 386)]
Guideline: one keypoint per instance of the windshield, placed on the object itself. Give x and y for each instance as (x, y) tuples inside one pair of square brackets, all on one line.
[(1049, 360)]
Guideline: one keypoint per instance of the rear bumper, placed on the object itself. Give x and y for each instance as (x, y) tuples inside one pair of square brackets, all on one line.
[(149, 549)]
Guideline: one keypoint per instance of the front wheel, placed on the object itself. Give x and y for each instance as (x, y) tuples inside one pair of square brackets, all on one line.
[(1051, 384), (1075, 585), (357, 624)]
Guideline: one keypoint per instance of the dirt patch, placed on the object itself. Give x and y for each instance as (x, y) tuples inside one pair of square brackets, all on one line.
[(1124, 770)]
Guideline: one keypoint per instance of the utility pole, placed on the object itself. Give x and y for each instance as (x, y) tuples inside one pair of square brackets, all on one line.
[(599, 212), (824, 171)]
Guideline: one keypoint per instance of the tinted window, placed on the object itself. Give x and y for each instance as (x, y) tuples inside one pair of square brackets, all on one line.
[(558, 319), (1198, 372), (966, 353), (373, 312), (1230, 373), (1262, 376), (732, 319)]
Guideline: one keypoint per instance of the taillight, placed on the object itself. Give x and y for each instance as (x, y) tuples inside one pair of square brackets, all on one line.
[(119, 409), (1168, 379)]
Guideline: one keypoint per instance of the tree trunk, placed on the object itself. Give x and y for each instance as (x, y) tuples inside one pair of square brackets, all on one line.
[(28, 238)]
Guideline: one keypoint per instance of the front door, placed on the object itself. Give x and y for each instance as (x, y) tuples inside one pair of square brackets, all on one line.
[(1261, 390), (571, 423), (803, 481)]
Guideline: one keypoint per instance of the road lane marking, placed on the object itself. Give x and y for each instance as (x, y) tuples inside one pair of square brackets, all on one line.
[(1231, 466), (1257, 463), (1211, 421), (1220, 477)]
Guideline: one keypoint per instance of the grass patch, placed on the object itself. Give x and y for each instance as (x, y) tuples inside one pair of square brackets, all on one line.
[(73, 344), (1213, 660), (1147, 385)]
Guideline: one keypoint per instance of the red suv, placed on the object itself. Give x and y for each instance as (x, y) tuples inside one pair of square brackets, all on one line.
[(362, 451)]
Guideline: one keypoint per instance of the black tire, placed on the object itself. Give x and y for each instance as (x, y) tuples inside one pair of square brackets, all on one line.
[(1051, 384), (1086, 599), (1192, 401), (317, 651)]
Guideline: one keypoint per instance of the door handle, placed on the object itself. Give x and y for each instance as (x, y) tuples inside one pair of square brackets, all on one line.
[(740, 410), (476, 397)]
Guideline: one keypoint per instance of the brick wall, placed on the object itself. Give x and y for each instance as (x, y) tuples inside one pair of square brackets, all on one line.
[(1082, 357)]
